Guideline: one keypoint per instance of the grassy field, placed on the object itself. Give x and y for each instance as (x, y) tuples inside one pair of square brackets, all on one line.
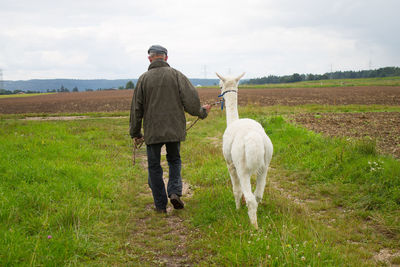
[(320, 209), (70, 196), (387, 81), (58, 189), (23, 95)]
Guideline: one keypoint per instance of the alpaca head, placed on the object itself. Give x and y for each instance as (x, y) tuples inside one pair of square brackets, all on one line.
[(229, 83)]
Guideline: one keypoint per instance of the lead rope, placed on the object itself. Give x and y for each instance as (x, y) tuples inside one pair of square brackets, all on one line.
[(191, 125), (138, 144), (213, 104)]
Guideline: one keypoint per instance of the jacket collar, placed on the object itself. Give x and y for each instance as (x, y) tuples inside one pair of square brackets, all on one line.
[(158, 64)]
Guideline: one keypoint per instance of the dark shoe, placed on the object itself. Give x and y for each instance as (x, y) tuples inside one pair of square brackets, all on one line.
[(176, 202), (160, 210)]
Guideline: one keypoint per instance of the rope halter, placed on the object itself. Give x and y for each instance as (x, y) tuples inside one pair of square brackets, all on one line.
[(223, 99)]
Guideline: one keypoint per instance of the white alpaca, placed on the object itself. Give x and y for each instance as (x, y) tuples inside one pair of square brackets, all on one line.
[(247, 150)]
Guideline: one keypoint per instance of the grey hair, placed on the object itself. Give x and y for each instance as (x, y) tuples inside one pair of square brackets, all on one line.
[(155, 54)]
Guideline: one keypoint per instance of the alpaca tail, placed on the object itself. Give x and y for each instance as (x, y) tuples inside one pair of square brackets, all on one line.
[(254, 148)]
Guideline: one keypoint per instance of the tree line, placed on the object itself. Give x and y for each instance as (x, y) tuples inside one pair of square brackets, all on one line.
[(382, 72), (62, 89), (14, 92)]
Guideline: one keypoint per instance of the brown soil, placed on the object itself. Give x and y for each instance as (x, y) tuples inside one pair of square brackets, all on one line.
[(382, 126), (97, 101), (366, 95), (120, 100)]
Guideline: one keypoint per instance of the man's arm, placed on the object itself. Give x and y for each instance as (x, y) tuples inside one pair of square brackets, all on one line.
[(136, 116), (190, 98)]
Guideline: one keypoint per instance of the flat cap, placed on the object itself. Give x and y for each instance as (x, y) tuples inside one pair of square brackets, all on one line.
[(158, 49)]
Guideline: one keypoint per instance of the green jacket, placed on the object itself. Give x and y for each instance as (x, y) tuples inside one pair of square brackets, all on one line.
[(161, 96)]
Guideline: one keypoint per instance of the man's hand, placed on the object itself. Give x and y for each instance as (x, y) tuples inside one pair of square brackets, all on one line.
[(138, 141), (207, 107)]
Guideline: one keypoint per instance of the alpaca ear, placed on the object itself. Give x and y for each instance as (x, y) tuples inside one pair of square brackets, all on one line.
[(222, 78), (240, 76)]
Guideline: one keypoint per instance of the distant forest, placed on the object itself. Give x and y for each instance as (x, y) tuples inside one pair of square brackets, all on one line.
[(76, 85), (382, 72)]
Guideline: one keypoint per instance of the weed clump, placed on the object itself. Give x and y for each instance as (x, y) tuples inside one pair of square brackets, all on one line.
[(366, 146)]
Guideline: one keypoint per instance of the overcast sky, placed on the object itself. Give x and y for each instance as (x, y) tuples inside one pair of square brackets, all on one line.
[(91, 39)]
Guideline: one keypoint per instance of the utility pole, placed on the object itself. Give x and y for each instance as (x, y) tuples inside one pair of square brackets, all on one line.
[(1, 79), (370, 61), (204, 72)]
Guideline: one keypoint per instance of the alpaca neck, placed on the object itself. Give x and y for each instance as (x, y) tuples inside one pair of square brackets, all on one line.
[(231, 108)]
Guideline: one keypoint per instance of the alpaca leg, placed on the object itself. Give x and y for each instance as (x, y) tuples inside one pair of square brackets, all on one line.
[(251, 202), (237, 192), (261, 181)]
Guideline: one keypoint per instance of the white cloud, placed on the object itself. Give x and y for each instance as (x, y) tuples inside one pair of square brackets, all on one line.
[(99, 39)]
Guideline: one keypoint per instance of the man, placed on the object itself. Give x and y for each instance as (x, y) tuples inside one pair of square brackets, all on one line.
[(161, 97)]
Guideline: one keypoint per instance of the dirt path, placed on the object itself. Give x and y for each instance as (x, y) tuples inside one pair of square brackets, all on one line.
[(68, 118), (162, 238), (152, 228)]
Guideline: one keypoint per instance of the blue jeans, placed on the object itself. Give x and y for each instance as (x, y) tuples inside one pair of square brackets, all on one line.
[(155, 170)]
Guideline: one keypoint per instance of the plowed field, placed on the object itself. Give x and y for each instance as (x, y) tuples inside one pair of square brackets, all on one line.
[(120, 100), (384, 127)]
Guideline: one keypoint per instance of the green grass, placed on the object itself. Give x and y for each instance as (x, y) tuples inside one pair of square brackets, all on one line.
[(337, 175), (58, 189), (45, 115), (249, 109), (356, 176), (23, 95), (277, 110), (73, 181), (386, 81)]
